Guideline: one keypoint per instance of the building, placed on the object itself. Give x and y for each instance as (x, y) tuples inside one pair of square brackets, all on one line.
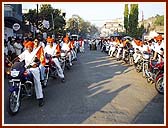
[(112, 27), (12, 15), (151, 29)]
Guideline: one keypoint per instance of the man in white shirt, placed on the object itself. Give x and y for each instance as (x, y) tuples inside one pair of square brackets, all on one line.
[(159, 48), (138, 52), (52, 50), (65, 47), (113, 47), (120, 47), (29, 56)]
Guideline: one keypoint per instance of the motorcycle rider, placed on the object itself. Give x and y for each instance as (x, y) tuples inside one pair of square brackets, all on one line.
[(113, 46), (125, 48), (159, 48), (54, 51), (138, 50), (38, 45), (65, 47), (72, 47), (120, 48), (29, 55)]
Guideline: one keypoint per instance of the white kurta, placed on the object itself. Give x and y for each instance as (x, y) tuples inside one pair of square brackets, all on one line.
[(52, 52), (29, 58)]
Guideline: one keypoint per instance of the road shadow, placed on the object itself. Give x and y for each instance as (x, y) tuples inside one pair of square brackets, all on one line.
[(152, 113)]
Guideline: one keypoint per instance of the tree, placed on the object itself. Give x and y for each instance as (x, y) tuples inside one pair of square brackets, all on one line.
[(31, 16), (76, 25), (46, 12), (140, 31), (126, 21), (159, 20), (133, 20), (56, 20)]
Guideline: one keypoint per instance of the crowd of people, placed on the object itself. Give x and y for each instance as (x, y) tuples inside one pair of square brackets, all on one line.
[(117, 47), (34, 53)]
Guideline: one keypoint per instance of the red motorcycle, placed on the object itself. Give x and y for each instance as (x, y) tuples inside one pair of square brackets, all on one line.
[(155, 69), (159, 82)]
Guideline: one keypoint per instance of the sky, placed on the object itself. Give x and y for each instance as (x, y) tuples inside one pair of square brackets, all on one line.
[(99, 12)]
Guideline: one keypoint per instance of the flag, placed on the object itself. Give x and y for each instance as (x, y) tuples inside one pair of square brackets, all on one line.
[(58, 49), (137, 42), (66, 39), (40, 55), (71, 44)]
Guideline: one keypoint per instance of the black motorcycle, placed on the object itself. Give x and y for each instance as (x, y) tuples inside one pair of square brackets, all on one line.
[(129, 56), (20, 85)]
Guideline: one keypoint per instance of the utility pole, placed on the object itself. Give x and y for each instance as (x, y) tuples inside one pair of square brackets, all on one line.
[(36, 23), (37, 18), (52, 23)]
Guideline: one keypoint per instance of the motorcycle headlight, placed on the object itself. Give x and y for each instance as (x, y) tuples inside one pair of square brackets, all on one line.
[(14, 73), (62, 54), (131, 51), (8, 71)]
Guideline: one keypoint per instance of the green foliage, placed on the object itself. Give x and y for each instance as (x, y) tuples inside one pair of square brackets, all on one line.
[(126, 21), (133, 20), (140, 31), (46, 12), (76, 25), (31, 16), (159, 20)]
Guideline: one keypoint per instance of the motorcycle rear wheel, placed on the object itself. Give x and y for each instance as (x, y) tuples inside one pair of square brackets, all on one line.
[(12, 105)]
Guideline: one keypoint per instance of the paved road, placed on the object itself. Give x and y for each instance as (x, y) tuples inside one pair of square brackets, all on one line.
[(98, 90)]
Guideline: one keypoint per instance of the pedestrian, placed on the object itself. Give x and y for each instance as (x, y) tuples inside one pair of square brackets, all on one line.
[(18, 47)]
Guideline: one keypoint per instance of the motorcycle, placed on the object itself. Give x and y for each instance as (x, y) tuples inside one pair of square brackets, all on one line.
[(46, 76), (115, 52), (145, 64), (53, 68), (120, 50), (139, 64), (131, 59), (64, 60), (129, 56), (20, 85), (155, 69), (159, 83)]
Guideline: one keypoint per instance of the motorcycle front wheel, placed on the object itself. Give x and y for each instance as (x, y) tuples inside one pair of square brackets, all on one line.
[(131, 61), (12, 105), (159, 85), (138, 68)]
